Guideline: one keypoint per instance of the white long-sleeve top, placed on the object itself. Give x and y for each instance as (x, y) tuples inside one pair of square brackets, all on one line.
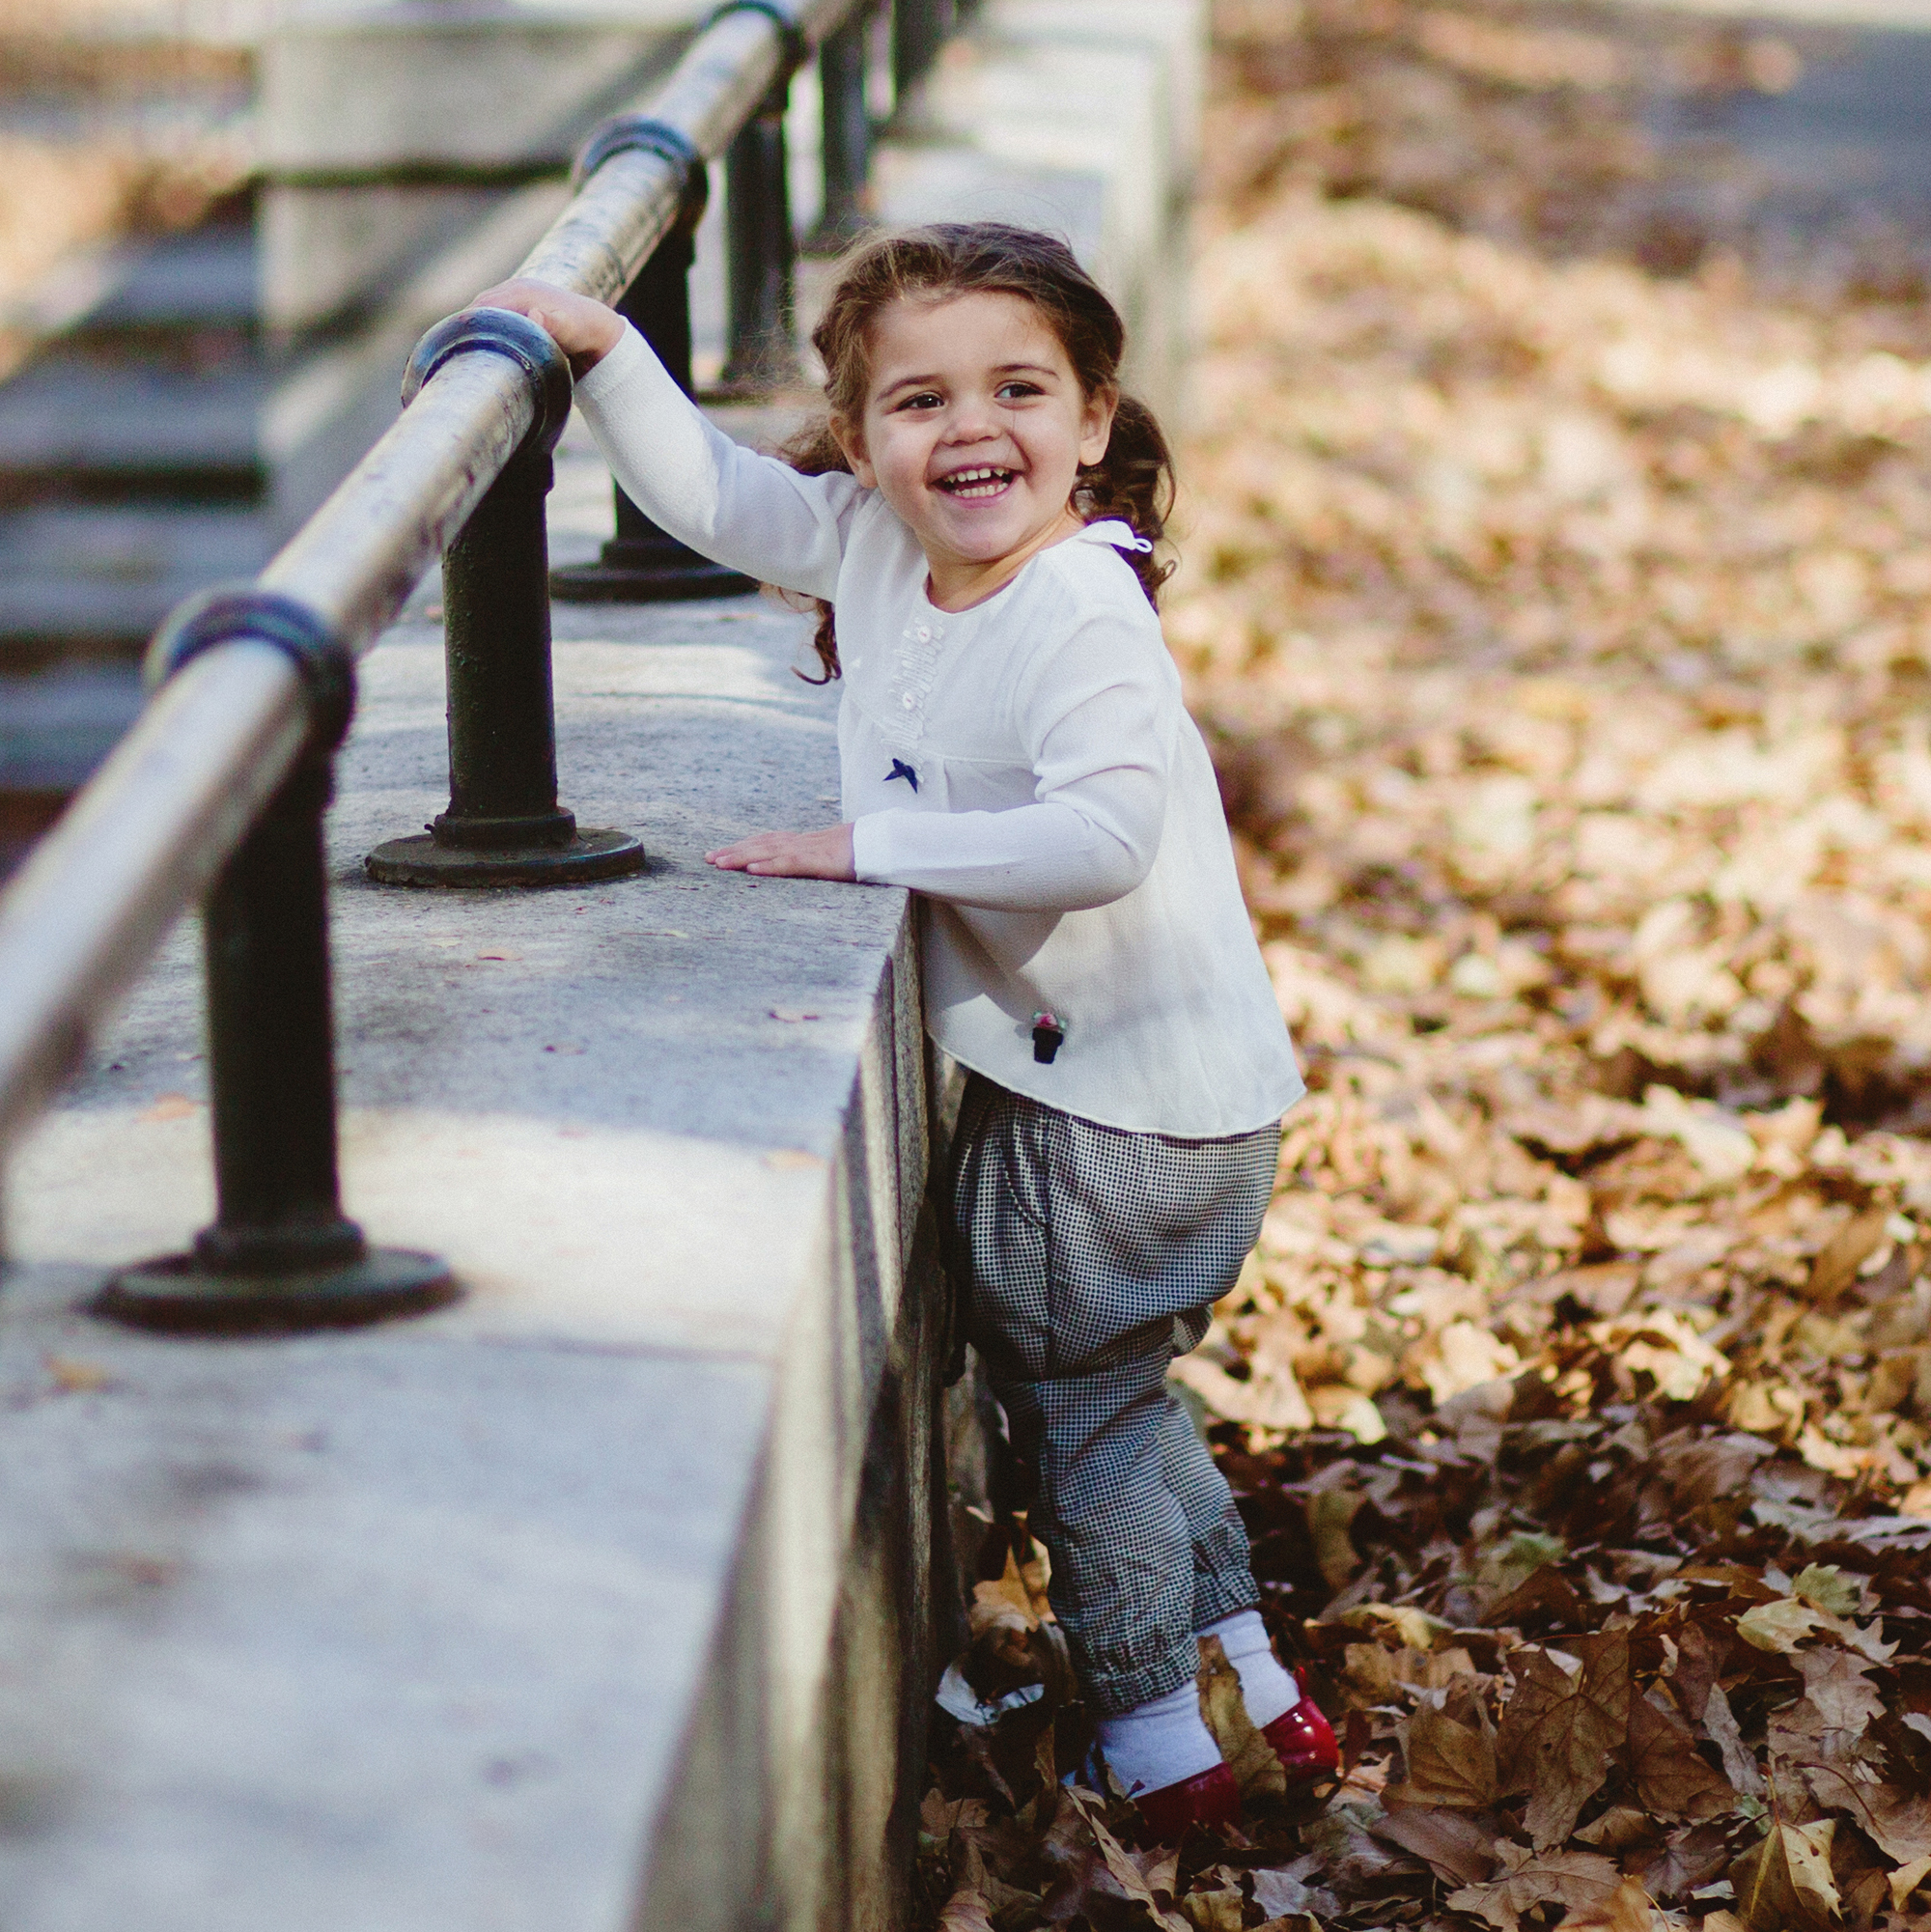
[(1027, 767)]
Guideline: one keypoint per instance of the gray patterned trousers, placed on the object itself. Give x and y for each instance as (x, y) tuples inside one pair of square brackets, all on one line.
[(1088, 1256)]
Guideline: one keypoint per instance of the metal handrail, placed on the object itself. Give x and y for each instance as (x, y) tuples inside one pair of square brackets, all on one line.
[(192, 780)]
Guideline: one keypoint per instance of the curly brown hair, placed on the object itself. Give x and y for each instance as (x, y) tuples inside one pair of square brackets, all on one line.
[(1133, 481)]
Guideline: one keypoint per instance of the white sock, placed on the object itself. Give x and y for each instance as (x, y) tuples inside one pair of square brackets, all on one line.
[(1160, 1743), (1266, 1689)]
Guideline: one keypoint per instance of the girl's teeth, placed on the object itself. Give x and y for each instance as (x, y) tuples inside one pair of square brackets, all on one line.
[(977, 482)]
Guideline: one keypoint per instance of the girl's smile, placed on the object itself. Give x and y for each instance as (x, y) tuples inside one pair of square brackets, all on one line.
[(977, 481), (975, 429)]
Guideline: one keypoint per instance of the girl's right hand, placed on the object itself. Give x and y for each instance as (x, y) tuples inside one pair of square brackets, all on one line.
[(585, 330), (819, 854)]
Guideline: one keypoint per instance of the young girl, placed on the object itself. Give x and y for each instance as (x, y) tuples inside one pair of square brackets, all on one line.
[(980, 512)]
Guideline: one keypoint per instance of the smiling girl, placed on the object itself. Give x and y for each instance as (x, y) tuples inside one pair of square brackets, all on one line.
[(978, 515)]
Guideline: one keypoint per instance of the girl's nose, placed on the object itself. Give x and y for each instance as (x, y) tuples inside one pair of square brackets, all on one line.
[(973, 421)]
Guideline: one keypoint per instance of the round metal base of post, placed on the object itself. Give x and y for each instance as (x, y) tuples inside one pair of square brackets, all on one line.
[(177, 1295), (422, 861), (646, 584)]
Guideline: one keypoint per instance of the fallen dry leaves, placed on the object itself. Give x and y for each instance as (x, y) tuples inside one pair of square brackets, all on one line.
[(1555, 604)]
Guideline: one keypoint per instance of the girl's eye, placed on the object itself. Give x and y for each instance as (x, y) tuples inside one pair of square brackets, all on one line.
[(1018, 391), (926, 400)]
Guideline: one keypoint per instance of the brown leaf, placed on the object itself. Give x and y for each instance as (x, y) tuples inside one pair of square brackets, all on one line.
[(1448, 1763), (73, 1377), (1838, 1763), (1256, 1767), (1331, 1514), (1124, 1872), (1864, 1892), (1045, 1769), (1604, 1289), (1780, 1626), (1574, 1880), (1350, 1858), (1694, 1855), (1784, 1883), (1897, 1821), (1906, 1880), (1900, 1823), (1671, 1779), (968, 1910), (1558, 1732), (1035, 1576), (1372, 1671), (1627, 1909), (1618, 1828), (938, 1816), (1070, 1856), (1003, 1603), (1544, 1599), (1458, 1850), (1704, 1468), (1838, 1685), (1282, 1893), (1845, 1252), (1415, 1628), (1160, 1866), (1699, 1662), (1214, 1911), (1740, 1763)]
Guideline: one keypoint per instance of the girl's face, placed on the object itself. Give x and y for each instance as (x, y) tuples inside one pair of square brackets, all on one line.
[(975, 429)]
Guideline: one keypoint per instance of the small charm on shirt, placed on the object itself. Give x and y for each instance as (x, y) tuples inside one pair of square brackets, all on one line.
[(1048, 1032), (901, 769)]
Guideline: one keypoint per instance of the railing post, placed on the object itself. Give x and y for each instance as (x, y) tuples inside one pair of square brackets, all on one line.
[(918, 32), (761, 246), (281, 1255), (642, 564), (504, 825), (845, 122)]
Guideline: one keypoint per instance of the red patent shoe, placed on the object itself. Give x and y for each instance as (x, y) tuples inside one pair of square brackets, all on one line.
[(1304, 1740), (1211, 1798)]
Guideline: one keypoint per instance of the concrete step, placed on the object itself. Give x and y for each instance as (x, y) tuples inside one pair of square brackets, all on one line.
[(194, 284), (86, 580), (54, 730), (88, 427)]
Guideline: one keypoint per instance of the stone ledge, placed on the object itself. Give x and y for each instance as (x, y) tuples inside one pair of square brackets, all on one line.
[(410, 1628)]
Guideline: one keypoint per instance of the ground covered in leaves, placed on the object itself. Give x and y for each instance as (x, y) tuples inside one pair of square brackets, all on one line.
[(1555, 601)]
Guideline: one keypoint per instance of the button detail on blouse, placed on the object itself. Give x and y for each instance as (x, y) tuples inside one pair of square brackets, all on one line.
[(911, 684)]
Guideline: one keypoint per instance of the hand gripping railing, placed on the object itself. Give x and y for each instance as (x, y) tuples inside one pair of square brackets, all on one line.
[(220, 786)]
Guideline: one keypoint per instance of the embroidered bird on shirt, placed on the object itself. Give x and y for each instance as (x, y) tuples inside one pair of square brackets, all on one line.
[(901, 769)]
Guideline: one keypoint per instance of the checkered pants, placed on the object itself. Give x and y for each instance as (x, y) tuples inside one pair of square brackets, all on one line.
[(1087, 1257)]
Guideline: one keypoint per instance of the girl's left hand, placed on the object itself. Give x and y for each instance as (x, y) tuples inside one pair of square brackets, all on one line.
[(822, 854), (585, 330)]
